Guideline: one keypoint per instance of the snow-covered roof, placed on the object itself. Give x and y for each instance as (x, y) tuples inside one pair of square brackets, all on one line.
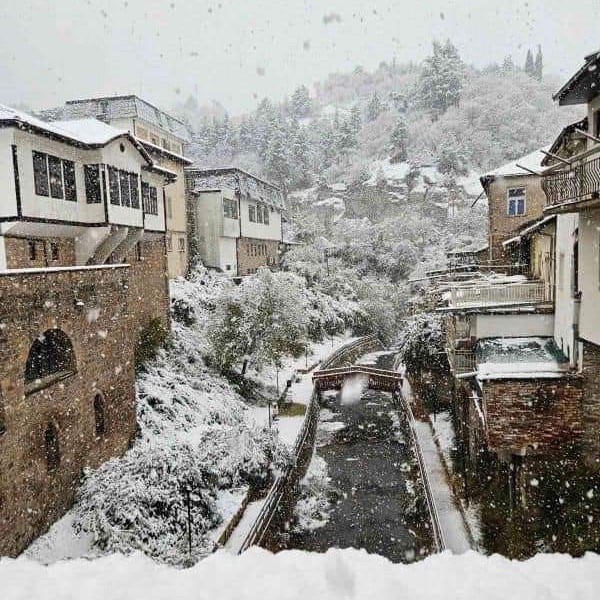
[(532, 161), (469, 250), (81, 132), (527, 231), (201, 180), (118, 107), (520, 358)]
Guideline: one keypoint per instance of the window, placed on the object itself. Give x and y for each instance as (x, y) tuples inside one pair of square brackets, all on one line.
[(141, 132), (149, 199), (169, 243), (40, 174), (69, 179), (265, 215), (93, 193), (52, 447), (259, 214), (99, 417), (50, 355), (516, 202), (181, 244), (56, 179), (134, 190), (124, 184), (228, 267), (113, 184), (230, 209), (32, 247), (54, 251), (165, 144), (53, 176), (252, 213)]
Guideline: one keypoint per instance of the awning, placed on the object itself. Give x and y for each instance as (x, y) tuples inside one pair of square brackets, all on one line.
[(531, 229)]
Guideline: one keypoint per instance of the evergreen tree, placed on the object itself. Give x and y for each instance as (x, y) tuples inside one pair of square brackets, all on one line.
[(264, 127), (300, 104), (441, 78), (300, 155), (276, 161), (245, 136), (399, 140), (374, 108), (538, 67), (508, 66), (355, 119), (529, 65), (346, 136)]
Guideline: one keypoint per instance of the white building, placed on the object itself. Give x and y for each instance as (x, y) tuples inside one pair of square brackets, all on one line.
[(88, 191), (163, 137), (236, 220)]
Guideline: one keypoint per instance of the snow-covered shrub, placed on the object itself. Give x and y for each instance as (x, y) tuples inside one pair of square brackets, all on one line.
[(421, 342), (139, 502)]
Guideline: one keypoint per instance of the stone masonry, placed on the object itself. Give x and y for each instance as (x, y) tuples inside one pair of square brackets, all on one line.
[(254, 253), (90, 306), (591, 403)]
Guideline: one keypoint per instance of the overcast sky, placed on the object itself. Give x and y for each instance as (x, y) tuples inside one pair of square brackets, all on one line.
[(236, 51)]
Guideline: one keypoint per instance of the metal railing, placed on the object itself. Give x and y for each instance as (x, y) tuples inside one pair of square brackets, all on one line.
[(461, 361), (571, 185), (530, 292)]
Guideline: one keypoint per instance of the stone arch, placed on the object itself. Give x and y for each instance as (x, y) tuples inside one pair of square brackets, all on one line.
[(51, 357)]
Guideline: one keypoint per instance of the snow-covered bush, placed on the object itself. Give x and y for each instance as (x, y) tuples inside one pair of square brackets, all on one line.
[(140, 502), (421, 342)]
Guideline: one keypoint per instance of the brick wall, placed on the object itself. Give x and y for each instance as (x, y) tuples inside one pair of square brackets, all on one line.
[(254, 253), (502, 226), (591, 403), (91, 307), (18, 252), (532, 415)]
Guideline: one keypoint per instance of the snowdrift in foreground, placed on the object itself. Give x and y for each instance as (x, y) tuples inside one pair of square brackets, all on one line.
[(295, 574)]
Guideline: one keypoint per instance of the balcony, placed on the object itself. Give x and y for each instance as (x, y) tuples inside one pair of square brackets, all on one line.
[(462, 362), (573, 189), (501, 294)]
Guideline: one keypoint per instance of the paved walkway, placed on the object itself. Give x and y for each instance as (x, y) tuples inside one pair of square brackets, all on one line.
[(454, 531)]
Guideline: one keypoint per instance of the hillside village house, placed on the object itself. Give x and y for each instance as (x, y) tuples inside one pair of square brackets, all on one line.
[(163, 137), (82, 272), (235, 220), (515, 198)]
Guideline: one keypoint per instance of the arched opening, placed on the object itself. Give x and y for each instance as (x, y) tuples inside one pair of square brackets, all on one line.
[(99, 415), (52, 447), (51, 357)]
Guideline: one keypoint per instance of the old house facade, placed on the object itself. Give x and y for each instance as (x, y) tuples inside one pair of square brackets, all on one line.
[(235, 220), (515, 198), (163, 137), (82, 271)]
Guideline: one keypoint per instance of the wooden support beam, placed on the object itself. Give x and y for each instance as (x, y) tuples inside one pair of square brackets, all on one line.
[(555, 157), (589, 135), (528, 170)]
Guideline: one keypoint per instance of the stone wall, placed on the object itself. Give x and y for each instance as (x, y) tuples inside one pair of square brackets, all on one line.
[(18, 252), (254, 253), (90, 306), (532, 416), (148, 283)]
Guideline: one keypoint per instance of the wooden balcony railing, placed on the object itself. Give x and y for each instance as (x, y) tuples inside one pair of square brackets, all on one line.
[(574, 184), (529, 292)]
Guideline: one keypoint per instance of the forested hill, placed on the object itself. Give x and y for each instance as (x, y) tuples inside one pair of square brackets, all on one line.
[(381, 168), (441, 112)]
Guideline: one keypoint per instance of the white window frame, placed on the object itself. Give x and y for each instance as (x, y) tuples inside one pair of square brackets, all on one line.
[(515, 199)]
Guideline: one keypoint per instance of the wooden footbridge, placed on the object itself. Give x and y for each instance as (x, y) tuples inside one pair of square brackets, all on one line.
[(378, 379)]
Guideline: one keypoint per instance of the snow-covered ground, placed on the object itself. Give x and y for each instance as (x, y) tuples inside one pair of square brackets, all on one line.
[(292, 575)]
